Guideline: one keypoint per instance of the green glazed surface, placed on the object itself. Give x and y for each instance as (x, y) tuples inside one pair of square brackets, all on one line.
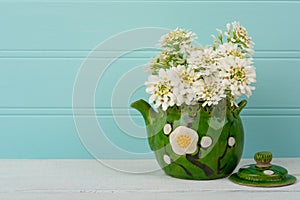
[(287, 181), (253, 173), (262, 174), (213, 161)]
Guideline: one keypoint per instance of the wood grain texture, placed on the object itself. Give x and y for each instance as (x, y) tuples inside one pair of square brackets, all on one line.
[(88, 179)]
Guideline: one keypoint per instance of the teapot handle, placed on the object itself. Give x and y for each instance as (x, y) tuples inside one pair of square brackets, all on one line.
[(240, 107)]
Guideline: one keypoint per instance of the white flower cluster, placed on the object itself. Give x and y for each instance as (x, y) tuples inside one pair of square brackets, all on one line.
[(186, 74)]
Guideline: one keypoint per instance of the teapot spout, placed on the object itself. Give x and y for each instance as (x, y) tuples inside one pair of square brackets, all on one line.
[(154, 121), (145, 109)]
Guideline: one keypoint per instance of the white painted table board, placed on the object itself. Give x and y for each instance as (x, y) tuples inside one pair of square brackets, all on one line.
[(88, 179)]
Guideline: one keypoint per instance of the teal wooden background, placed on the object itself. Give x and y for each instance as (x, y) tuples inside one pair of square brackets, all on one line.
[(43, 43)]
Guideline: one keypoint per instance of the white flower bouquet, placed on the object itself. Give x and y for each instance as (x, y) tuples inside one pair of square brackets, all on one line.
[(184, 73)]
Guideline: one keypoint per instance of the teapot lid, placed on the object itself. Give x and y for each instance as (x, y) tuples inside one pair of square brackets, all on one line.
[(263, 173)]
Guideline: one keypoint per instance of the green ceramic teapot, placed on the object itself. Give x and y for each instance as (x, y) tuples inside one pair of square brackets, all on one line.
[(195, 142)]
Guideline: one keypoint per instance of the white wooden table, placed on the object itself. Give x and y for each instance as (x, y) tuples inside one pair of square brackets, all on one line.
[(89, 179)]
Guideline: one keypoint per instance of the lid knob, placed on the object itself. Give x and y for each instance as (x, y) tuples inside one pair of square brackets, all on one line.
[(263, 159)]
